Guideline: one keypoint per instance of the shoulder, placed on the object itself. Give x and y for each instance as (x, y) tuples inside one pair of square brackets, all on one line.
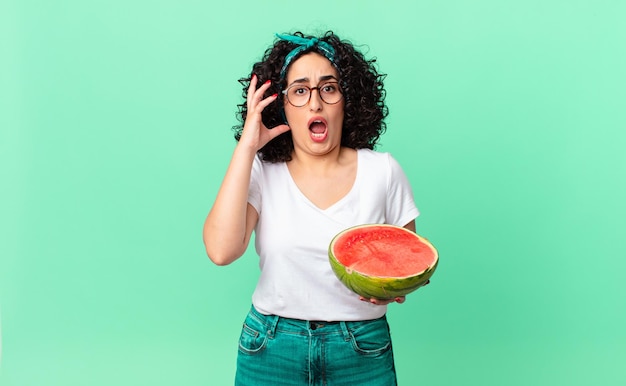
[(260, 164), (262, 170), (372, 154), (375, 165), (375, 157), (380, 163)]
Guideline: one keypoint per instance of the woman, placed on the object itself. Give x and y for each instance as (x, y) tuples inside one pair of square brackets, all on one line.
[(304, 169)]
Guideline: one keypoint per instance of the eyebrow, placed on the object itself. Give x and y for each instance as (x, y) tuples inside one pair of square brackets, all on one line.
[(322, 79)]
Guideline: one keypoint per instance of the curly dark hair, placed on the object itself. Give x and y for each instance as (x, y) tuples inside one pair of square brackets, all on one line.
[(361, 86)]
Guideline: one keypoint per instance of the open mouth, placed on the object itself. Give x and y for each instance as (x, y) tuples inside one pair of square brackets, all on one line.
[(318, 129)]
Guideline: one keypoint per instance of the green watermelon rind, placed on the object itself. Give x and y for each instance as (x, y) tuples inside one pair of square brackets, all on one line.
[(384, 288)]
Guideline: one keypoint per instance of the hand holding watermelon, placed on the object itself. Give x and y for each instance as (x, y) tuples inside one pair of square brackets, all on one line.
[(383, 302)]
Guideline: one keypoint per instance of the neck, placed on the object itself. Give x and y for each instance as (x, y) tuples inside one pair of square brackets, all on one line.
[(319, 163)]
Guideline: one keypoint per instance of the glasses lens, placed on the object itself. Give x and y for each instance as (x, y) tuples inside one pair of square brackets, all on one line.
[(298, 95), (330, 92)]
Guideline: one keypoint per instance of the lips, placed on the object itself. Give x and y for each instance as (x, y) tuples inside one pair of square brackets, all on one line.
[(318, 129)]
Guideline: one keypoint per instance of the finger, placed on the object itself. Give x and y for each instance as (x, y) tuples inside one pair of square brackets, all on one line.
[(278, 130), (378, 302), (254, 94), (258, 94), (265, 102), (251, 88), (400, 299)]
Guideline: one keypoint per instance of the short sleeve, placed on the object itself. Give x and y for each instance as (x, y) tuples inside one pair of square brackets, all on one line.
[(400, 205), (254, 190)]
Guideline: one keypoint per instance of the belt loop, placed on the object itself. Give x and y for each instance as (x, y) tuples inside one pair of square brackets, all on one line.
[(344, 330), (272, 322)]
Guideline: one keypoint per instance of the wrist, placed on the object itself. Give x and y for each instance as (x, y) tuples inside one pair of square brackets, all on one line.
[(246, 149)]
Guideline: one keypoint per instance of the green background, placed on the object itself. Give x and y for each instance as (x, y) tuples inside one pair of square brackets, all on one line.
[(507, 116)]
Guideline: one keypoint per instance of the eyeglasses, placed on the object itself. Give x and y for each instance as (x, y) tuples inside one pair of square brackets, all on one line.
[(299, 95)]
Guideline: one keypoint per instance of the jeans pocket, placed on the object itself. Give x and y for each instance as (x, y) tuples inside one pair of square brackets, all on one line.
[(371, 338), (253, 337)]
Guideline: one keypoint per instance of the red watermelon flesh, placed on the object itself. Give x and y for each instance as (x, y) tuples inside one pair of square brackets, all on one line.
[(382, 261)]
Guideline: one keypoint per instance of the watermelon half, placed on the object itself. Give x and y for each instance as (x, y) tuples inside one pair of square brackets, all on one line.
[(382, 261)]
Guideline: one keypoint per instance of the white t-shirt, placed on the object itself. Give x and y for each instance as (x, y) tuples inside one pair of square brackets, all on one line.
[(292, 237)]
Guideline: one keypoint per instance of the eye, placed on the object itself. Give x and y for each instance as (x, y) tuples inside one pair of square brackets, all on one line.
[(329, 88), (300, 91)]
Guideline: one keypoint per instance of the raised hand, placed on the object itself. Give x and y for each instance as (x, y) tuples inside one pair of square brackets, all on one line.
[(255, 134)]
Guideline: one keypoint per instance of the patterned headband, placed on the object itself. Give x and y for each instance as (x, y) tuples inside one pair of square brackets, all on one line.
[(303, 44)]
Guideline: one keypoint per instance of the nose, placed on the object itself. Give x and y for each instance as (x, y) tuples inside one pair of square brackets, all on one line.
[(315, 101)]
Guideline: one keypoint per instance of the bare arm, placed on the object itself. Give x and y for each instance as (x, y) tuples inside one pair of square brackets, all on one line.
[(228, 227), (410, 226), (230, 222)]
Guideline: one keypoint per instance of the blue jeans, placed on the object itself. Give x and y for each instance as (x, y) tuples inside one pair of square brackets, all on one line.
[(276, 351)]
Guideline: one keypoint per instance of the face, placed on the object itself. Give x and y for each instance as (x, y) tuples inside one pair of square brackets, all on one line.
[(316, 126)]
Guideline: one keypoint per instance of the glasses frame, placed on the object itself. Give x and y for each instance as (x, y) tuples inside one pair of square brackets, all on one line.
[(285, 92)]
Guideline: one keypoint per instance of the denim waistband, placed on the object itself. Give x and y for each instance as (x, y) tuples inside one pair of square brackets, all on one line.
[(274, 322)]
